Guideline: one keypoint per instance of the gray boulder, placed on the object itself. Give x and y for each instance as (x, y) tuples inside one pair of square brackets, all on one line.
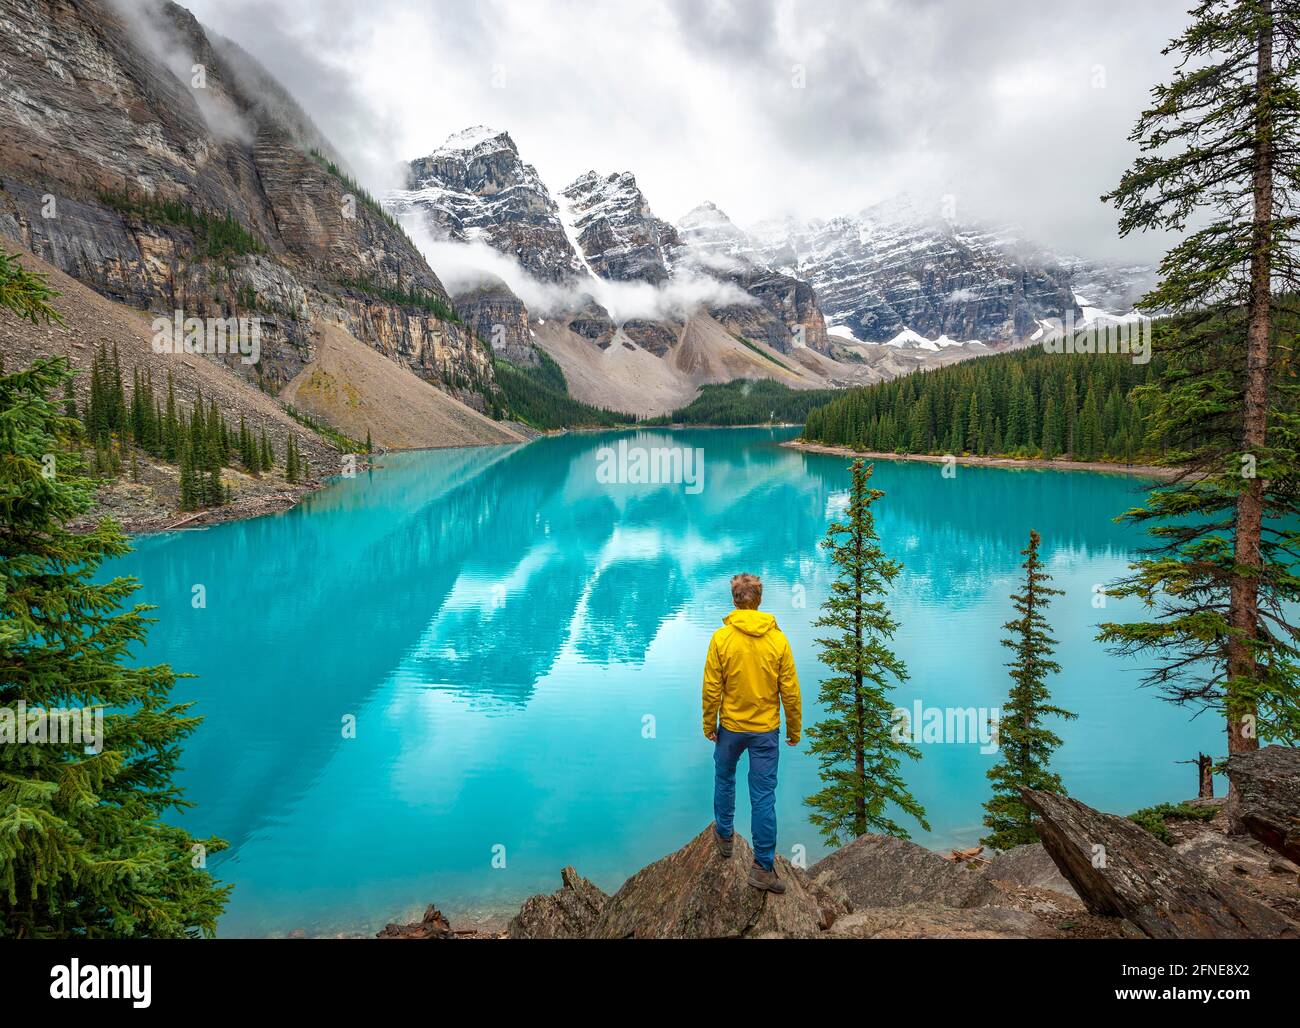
[(1121, 870), (568, 913), (1268, 802), (882, 871), (1029, 865), (696, 893)]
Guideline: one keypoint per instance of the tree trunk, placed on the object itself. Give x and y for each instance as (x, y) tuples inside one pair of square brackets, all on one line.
[(859, 755), (1243, 611), (1205, 777)]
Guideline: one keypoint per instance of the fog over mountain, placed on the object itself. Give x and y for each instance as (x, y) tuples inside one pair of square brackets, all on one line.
[(1014, 110)]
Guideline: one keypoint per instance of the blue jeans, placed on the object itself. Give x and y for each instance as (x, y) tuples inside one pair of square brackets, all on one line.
[(764, 749)]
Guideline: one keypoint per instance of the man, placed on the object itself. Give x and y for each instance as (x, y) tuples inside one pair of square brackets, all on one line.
[(748, 676)]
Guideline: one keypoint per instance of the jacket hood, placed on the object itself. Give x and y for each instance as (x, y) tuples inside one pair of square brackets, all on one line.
[(751, 622)]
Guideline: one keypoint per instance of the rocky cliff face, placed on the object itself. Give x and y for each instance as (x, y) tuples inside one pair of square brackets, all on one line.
[(163, 167), (620, 236), (475, 187), (787, 313), (499, 318), (901, 266)]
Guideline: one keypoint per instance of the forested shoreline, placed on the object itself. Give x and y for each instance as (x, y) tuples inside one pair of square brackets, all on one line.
[(1025, 404)]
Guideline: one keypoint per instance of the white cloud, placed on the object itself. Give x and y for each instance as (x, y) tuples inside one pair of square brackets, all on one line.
[(462, 266), (995, 101)]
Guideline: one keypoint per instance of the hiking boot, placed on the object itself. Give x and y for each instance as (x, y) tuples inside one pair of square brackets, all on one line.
[(723, 841), (766, 881)]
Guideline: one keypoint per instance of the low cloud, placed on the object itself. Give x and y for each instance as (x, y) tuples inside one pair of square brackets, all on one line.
[(465, 266), (154, 32), (1019, 109)]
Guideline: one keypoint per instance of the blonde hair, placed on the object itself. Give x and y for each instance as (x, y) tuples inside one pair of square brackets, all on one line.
[(746, 591)]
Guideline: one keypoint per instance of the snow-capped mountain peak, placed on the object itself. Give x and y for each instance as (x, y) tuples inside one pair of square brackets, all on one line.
[(904, 266), (475, 187), (617, 232)]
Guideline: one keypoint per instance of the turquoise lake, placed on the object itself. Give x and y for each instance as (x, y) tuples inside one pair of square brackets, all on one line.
[(521, 645)]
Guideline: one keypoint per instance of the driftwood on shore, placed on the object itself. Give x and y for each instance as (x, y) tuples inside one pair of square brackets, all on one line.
[(1144, 470)]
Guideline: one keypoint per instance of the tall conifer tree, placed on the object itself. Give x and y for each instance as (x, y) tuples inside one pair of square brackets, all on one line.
[(1220, 144), (859, 752), (84, 850), (1025, 745)]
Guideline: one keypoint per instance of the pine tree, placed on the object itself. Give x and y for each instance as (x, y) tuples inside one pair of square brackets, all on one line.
[(117, 396), (857, 751), (84, 849), (1026, 746), (1221, 143), (291, 460), (974, 426), (172, 436), (215, 491), (1053, 430), (190, 499), (1090, 441)]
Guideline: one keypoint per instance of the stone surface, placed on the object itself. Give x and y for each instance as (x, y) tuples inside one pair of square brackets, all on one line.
[(1244, 861), (1029, 865), (500, 319), (935, 921), (569, 913), (1141, 879), (882, 871), (696, 893), (1268, 806)]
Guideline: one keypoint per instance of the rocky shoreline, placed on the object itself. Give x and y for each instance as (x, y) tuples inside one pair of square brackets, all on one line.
[(1143, 470), (138, 508), (1092, 875)]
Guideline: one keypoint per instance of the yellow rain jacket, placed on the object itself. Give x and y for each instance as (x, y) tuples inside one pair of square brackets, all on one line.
[(748, 672)]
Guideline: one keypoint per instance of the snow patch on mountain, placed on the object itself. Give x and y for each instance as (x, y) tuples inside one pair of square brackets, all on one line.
[(908, 339)]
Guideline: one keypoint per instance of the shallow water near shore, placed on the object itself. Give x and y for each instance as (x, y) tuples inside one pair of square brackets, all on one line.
[(520, 645)]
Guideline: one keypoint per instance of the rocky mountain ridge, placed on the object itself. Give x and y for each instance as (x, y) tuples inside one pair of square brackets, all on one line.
[(895, 288), (475, 187), (637, 312), (159, 164), (903, 269)]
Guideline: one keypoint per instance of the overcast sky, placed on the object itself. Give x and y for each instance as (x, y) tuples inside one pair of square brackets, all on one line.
[(1017, 108)]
